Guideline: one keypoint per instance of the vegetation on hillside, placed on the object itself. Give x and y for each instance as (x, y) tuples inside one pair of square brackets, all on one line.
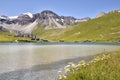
[(102, 29), (105, 66), (9, 37)]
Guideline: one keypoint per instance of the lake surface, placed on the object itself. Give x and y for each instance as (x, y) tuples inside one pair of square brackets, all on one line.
[(42, 61)]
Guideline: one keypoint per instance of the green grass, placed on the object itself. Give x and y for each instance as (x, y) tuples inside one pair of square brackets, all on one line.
[(8, 37), (45, 34), (5, 38), (103, 29), (102, 69)]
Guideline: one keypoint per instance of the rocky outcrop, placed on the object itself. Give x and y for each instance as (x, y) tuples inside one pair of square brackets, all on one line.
[(100, 14), (23, 19), (83, 19)]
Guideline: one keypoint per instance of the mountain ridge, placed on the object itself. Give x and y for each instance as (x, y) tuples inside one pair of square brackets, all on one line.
[(48, 18)]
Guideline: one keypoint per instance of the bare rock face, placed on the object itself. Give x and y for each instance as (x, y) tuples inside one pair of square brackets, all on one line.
[(23, 19), (45, 15), (2, 29)]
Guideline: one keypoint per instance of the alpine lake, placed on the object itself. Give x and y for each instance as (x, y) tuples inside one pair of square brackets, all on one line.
[(42, 61)]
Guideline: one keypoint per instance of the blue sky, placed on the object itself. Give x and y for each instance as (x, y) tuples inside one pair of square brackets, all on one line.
[(76, 8)]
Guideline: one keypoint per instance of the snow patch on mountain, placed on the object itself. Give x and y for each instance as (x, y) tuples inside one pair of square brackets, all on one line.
[(13, 17)]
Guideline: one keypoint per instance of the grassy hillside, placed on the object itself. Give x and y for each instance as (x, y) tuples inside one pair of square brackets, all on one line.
[(46, 34), (103, 67), (103, 29), (8, 37), (5, 38)]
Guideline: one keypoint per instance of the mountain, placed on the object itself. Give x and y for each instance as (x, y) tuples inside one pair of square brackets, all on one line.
[(52, 20), (102, 29), (27, 22)]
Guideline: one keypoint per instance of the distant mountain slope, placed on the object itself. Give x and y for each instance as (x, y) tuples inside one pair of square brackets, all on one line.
[(105, 28)]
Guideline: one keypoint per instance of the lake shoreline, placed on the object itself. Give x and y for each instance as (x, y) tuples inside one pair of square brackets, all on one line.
[(64, 43)]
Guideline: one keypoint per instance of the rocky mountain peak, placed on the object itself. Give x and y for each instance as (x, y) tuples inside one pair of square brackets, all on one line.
[(48, 13), (44, 15)]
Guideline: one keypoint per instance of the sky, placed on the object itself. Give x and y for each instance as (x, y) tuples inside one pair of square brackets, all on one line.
[(75, 8)]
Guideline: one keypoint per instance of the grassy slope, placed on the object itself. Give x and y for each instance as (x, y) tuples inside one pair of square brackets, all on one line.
[(7, 37), (106, 28), (107, 69), (45, 34)]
